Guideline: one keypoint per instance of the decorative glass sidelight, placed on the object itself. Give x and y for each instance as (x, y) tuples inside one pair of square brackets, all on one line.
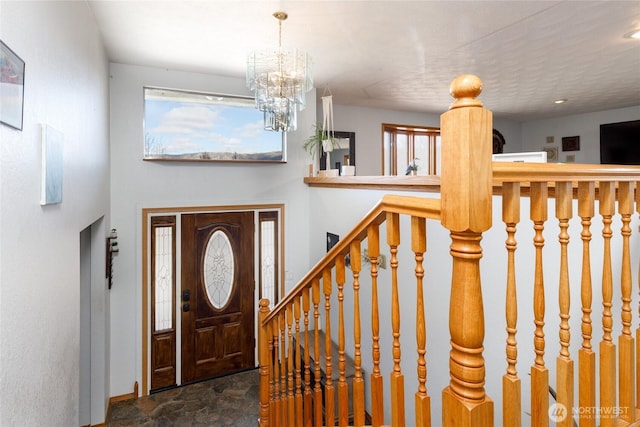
[(268, 260), (218, 269), (269, 245), (163, 278)]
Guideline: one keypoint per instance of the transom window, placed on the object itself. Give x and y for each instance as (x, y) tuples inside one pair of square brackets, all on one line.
[(196, 126)]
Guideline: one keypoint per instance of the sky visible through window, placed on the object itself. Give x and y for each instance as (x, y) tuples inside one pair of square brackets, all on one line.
[(194, 126)]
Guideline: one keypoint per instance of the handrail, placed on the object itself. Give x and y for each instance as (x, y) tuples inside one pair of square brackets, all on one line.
[(390, 203), (562, 172)]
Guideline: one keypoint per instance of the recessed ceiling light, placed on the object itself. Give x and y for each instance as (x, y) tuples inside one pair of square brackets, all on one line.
[(635, 34), (560, 101)]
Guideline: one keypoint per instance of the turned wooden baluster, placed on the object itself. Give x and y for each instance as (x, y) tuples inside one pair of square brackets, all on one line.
[(466, 187), (358, 381), (511, 387), (343, 387), (586, 355), (272, 389), (638, 329), (317, 390), (307, 360), (291, 404), (564, 363), (419, 247), (284, 402), (539, 372), (397, 379), (329, 398), (625, 341), (377, 388), (298, 360), (264, 359), (607, 347), (276, 411)]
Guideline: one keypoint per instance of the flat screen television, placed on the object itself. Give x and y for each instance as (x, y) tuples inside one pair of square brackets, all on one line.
[(620, 143)]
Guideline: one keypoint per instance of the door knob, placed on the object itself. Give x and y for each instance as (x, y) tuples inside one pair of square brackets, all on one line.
[(185, 307)]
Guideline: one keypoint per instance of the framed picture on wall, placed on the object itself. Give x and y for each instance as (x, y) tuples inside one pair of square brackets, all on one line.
[(570, 143), (332, 240), (11, 87), (552, 153)]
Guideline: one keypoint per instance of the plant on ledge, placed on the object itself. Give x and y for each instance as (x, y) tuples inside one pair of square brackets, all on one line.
[(412, 168), (319, 138)]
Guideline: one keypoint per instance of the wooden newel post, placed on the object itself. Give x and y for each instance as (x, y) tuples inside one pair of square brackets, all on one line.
[(466, 188), (264, 359)]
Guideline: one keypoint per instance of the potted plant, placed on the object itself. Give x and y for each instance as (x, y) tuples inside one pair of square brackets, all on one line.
[(313, 143), (321, 139), (412, 168)]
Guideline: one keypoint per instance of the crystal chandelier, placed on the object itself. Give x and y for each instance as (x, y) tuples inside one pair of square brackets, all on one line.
[(280, 79)]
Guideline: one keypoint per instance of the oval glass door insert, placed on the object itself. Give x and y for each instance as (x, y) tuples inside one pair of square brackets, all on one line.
[(218, 269)]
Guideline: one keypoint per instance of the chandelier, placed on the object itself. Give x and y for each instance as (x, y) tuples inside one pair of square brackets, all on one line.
[(279, 79)]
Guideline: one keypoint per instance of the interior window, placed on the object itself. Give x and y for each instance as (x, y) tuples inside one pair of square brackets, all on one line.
[(406, 148)]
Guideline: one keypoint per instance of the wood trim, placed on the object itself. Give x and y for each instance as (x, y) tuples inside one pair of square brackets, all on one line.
[(146, 212), (145, 301), (526, 172), (423, 183), (119, 398), (126, 396), (220, 208), (503, 172)]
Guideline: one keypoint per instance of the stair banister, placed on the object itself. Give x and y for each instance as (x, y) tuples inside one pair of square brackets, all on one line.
[(466, 190), (297, 360)]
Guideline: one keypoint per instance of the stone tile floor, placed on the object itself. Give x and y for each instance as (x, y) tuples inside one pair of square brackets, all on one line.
[(228, 401)]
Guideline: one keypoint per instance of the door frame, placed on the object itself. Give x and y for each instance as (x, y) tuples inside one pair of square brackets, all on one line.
[(147, 213)]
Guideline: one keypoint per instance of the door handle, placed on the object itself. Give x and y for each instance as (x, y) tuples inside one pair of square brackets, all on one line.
[(185, 307), (186, 295)]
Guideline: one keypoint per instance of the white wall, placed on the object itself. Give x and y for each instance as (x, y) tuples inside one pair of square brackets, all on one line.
[(66, 87), (138, 184), (512, 133), (99, 324), (586, 126), (525, 136), (367, 122)]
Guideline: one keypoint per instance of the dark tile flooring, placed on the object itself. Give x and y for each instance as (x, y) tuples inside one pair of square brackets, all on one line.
[(232, 400)]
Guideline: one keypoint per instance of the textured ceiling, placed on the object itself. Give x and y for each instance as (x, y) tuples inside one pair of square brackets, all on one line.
[(402, 55)]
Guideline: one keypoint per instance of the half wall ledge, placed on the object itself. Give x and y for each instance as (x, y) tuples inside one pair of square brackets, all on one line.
[(406, 183)]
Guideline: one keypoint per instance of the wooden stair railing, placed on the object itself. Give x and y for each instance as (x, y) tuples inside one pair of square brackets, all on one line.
[(280, 357), (290, 375), (612, 400)]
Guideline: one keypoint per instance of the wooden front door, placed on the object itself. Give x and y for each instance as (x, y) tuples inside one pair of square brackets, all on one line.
[(217, 294)]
